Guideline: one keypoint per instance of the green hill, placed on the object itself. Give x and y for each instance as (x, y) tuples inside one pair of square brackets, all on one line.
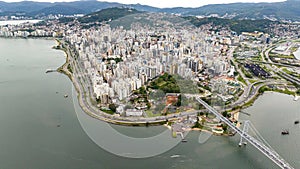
[(150, 19), (57, 9), (107, 14), (278, 10), (238, 26), (285, 10)]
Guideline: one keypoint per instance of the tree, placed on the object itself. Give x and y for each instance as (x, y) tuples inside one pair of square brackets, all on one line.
[(197, 125), (142, 90), (262, 89), (112, 107), (98, 100), (298, 92), (203, 120), (225, 113), (148, 105), (224, 127)]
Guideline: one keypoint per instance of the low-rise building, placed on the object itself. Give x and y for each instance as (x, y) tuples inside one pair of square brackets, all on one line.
[(134, 112)]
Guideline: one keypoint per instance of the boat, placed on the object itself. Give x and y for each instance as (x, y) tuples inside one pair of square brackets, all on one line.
[(66, 96), (296, 122), (175, 156), (184, 140), (296, 98), (285, 132)]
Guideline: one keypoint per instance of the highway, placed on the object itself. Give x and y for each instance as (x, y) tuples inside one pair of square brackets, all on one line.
[(279, 71), (252, 90)]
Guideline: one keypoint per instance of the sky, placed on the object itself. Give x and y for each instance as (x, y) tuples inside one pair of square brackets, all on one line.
[(166, 3)]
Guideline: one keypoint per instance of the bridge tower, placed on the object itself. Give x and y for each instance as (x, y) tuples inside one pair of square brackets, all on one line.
[(244, 131), (256, 140)]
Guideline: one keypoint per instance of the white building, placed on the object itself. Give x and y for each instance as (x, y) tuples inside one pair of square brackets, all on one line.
[(134, 112)]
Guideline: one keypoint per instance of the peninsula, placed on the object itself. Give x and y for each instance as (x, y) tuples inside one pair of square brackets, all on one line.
[(151, 69)]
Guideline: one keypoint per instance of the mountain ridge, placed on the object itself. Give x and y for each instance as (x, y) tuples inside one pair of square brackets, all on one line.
[(287, 10)]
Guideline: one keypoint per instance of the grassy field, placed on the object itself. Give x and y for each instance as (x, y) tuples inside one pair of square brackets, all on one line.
[(162, 83), (149, 113), (282, 56), (240, 78), (252, 80)]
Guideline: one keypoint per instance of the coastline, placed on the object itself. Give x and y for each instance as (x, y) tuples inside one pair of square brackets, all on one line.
[(100, 115)]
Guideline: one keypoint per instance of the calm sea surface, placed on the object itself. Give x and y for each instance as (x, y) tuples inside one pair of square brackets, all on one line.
[(39, 128)]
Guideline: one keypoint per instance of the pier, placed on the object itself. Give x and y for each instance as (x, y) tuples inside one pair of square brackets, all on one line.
[(50, 70)]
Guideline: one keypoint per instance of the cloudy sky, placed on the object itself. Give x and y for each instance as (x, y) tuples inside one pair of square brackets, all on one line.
[(167, 3)]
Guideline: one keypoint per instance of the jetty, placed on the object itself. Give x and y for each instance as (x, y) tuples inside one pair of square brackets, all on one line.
[(50, 70)]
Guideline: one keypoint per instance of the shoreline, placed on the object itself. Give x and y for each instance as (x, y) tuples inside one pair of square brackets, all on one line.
[(100, 115), (29, 37)]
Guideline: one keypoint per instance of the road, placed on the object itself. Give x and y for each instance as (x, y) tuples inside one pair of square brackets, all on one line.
[(83, 85), (84, 95), (250, 91), (251, 94), (279, 71)]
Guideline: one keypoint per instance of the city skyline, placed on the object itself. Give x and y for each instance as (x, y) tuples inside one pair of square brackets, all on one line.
[(168, 3)]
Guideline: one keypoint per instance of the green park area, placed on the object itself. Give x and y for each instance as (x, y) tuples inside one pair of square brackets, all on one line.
[(173, 84), (164, 95), (166, 83)]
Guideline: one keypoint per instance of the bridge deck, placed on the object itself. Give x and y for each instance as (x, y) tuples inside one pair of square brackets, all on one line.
[(270, 153)]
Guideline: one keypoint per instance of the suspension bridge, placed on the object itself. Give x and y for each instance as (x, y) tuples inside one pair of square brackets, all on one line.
[(259, 143)]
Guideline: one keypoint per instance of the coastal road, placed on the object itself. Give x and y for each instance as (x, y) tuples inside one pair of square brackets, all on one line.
[(254, 92), (84, 95), (83, 85)]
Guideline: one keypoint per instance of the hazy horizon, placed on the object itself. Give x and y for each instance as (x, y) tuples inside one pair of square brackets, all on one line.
[(166, 3)]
